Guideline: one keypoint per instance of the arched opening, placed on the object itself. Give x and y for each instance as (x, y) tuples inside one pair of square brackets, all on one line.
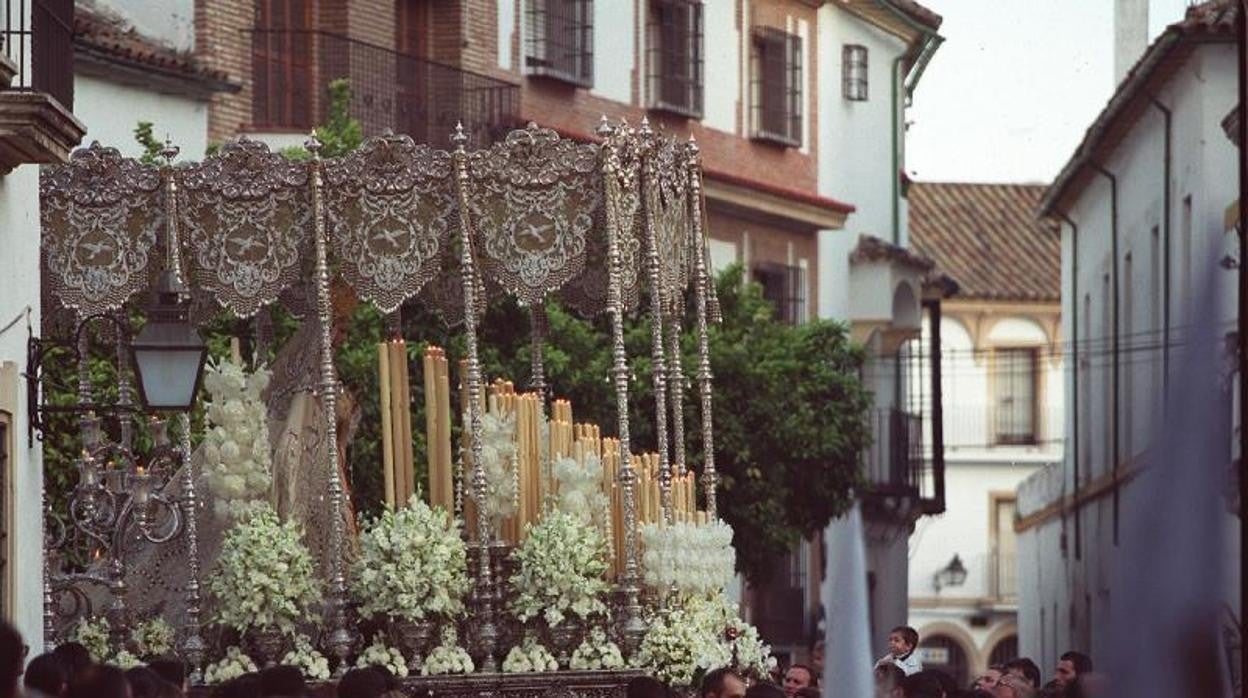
[(1005, 650), (945, 654), (905, 307)]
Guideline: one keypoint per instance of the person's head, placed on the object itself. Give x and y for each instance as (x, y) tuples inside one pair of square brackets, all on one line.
[(1014, 686), (172, 670), (902, 640), (101, 681), (646, 687), (75, 658), (46, 674), (12, 654), (723, 683), (282, 681), (888, 678), (796, 677), (988, 680), (764, 689), (924, 684), (144, 683), (364, 682), (1024, 668), (1070, 667)]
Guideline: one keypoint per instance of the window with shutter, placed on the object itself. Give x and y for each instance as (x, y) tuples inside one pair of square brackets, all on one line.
[(281, 64), (785, 288), (559, 40), (1015, 376), (777, 86), (674, 46)]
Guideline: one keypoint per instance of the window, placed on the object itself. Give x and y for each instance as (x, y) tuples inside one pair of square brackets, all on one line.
[(675, 57), (40, 44), (1004, 542), (559, 40), (854, 72), (785, 287), (776, 86), (1014, 402), (281, 65), (1004, 651)]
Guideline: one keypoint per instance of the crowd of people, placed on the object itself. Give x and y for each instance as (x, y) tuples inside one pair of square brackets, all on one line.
[(69, 672)]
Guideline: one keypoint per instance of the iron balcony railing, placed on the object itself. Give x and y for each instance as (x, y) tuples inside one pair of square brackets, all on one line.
[(37, 36), (1002, 581), (894, 465), (292, 70)]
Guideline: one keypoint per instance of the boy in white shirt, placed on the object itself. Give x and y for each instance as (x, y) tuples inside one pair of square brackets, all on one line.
[(902, 641)]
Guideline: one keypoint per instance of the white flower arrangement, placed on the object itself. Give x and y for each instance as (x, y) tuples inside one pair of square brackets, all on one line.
[(498, 456), (448, 657), (264, 576), (124, 660), (233, 665), (597, 652), (691, 637), (152, 637), (529, 656), (580, 489), (693, 558), (312, 663), (560, 570), (380, 654), (237, 467), (93, 634), (412, 564)]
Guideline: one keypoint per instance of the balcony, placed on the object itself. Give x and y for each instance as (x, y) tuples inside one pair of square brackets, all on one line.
[(37, 83), (895, 468), (292, 69), (1001, 582)]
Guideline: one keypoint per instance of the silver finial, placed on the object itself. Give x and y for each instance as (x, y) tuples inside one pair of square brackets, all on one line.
[(170, 151), (459, 139), (604, 127), (313, 144)]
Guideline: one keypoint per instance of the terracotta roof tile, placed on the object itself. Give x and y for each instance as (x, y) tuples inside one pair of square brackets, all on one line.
[(112, 39), (986, 237), (919, 13)]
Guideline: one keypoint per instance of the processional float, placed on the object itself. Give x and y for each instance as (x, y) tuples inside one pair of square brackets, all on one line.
[(597, 226)]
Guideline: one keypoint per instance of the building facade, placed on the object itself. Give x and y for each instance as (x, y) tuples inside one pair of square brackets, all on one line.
[(1002, 393), (1142, 205), (37, 126)]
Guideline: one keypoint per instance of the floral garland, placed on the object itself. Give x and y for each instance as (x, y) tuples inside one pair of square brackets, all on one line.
[(312, 663), (237, 462), (412, 564), (580, 489), (448, 657), (561, 565), (233, 665), (597, 652), (380, 654), (150, 638), (693, 558), (264, 575), (529, 656), (691, 637), (93, 634), (125, 661)]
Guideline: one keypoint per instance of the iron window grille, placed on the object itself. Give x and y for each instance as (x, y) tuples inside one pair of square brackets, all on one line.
[(785, 288), (46, 35), (854, 72), (283, 72), (1014, 402), (776, 86), (559, 40), (675, 62)]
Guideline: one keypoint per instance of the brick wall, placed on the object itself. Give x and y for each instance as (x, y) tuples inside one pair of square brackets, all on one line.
[(222, 42), (759, 242)]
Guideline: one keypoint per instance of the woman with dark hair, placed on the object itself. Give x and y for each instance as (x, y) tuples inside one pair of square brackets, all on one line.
[(75, 658), (45, 677), (144, 683)]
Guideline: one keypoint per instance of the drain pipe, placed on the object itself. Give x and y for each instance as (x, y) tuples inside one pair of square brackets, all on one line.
[(1113, 232), (1074, 371), (1165, 253)]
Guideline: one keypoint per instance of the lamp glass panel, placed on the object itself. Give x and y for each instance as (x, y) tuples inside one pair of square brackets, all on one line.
[(169, 375)]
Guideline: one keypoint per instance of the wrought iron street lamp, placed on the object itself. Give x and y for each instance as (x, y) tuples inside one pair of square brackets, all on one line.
[(953, 575), (168, 353)]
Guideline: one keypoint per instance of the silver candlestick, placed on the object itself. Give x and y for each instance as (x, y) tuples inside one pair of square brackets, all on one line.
[(703, 286)]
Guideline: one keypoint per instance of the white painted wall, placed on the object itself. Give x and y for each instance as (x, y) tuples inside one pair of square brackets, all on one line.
[(110, 112), (170, 22), (722, 43), (855, 141), (19, 248), (1200, 94), (615, 54), (507, 30)]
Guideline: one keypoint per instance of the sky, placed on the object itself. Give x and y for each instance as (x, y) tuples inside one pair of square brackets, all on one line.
[(1009, 94)]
